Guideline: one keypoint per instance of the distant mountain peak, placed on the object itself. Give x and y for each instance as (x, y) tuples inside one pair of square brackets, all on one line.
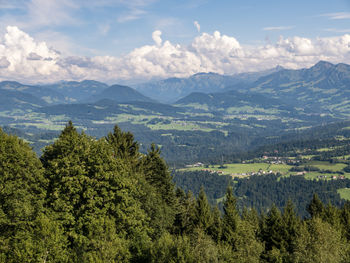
[(278, 68), (199, 74), (323, 65)]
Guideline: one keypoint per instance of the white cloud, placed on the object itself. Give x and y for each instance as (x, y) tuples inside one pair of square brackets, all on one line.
[(4, 63), (338, 15), (131, 15), (23, 56), (197, 25), (24, 59), (34, 56), (135, 9), (40, 13), (277, 28), (337, 30), (156, 36)]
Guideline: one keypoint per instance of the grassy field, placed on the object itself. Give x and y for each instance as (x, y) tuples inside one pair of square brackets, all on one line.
[(344, 193), (244, 169), (179, 125), (237, 169), (328, 166)]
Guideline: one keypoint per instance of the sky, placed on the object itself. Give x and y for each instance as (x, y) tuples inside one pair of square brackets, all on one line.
[(131, 41)]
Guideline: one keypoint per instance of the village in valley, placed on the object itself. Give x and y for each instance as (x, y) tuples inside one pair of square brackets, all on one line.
[(285, 166)]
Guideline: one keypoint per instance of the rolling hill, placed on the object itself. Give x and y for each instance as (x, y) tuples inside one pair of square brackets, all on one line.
[(75, 91), (12, 100), (119, 93), (41, 92)]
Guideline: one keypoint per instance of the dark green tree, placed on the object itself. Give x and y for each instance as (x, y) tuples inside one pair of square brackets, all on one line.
[(315, 207), (345, 220), (87, 185), (124, 146), (320, 242), (215, 230), (230, 219), (160, 192), (203, 217), (158, 175), (291, 224), (273, 236), (26, 231), (332, 215)]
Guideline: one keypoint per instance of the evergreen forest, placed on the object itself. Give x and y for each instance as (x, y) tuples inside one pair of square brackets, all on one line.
[(102, 200)]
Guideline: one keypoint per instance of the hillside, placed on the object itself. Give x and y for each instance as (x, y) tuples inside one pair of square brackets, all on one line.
[(172, 89), (119, 93), (324, 88), (89, 200), (200, 126), (12, 100), (75, 91), (44, 93), (233, 101)]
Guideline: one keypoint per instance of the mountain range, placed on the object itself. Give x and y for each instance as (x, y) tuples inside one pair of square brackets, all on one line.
[(236, 109), (172, 89)]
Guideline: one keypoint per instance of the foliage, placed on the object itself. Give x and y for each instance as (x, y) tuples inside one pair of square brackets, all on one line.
[(88, 200)]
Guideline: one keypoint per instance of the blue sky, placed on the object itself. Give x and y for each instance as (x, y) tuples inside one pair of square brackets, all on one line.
[(98, 38)]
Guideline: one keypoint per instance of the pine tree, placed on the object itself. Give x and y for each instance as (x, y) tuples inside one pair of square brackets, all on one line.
[(315, 208), (203, 218), (273, 235), (185, 209), (345, 219), (215, 230), (124, 146), (238, 234), (230, 219), (291, 226), (160, 194), (332, 215), (319, 242), (158, 175)]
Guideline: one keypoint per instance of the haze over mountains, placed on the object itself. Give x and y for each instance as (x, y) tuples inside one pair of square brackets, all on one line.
[(248, 105), (172, 89)]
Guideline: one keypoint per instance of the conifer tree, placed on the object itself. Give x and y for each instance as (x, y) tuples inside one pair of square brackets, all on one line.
[(273, 235), (291, 226), (124, 146), (183, 223), (345, 219), (315, 208), (158, 175), (215, 230), (230, 219), (319, 242), (203, 218), (331, 215), (160, 196), (238, 234)]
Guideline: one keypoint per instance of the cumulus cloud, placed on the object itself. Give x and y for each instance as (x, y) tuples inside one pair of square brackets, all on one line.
[(197, 25), (156, 37), (4, 63), (34, 56), (24, 59)]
